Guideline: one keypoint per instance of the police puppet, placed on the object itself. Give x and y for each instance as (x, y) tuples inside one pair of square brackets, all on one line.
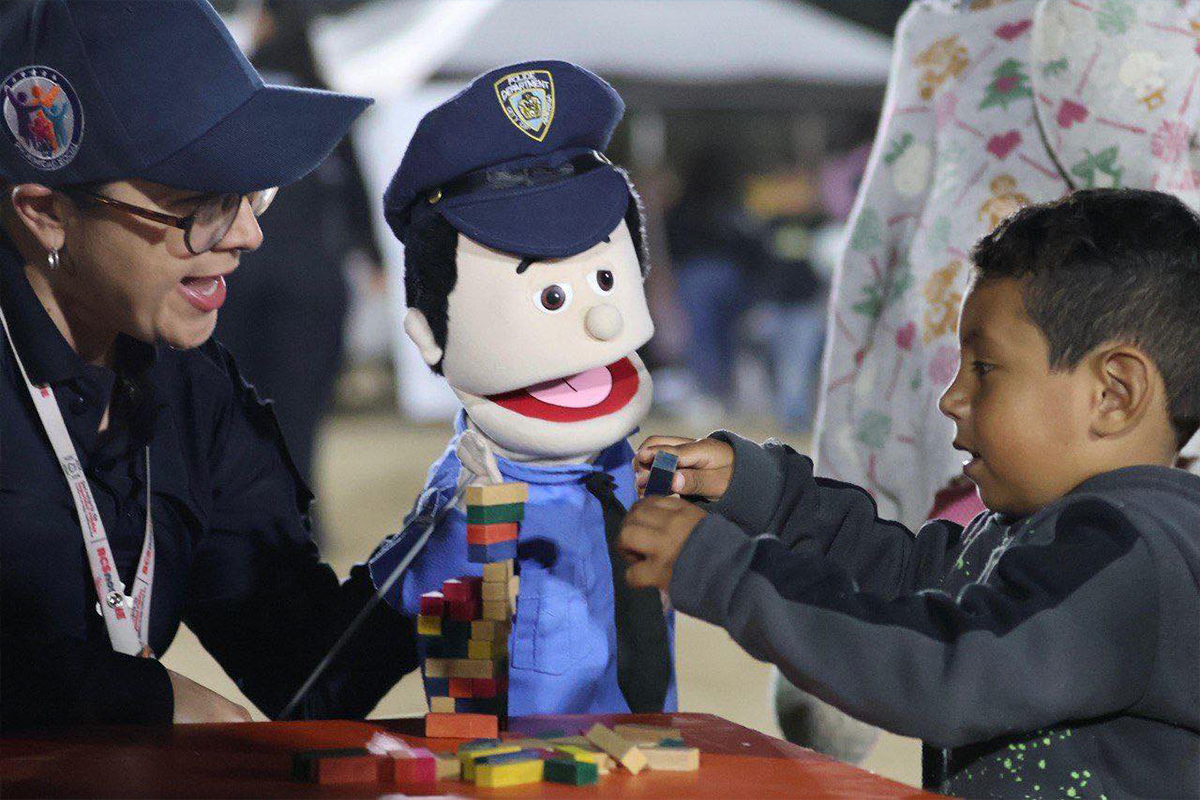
[(524, 269)]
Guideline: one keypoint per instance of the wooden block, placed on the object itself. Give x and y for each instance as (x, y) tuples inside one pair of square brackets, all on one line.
[(578, 753), (464, 610), (489, 630), (488, 515), (437, 668), (498, 571), (461, 687), (472, 668), (412, 769), (433, 604), (461, 726), (662, 474), (480, 705), (514, 773), (674, 759), (437, 687), (441, 705), (467, 759), (488, 650), (448, 766), (501, 591), (490, 534), (429, 626), (646, 734), (571, 772), (485, 687), (498, 610), (336, 765), (489, 553), (478, 744), (626, 753), (461, 588), (497, 494), (576, 741)]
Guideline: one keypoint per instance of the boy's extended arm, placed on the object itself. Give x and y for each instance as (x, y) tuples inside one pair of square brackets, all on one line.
[(773, 490), (1069, 631)]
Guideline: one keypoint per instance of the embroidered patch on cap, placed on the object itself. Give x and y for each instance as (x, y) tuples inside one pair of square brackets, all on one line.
[(528, 101), (43, 116)]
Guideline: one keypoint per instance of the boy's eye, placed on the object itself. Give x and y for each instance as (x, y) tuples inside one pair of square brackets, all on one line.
[(981, 368), (553, 298)]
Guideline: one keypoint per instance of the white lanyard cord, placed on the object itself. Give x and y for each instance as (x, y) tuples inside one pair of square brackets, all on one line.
[(127, 618)]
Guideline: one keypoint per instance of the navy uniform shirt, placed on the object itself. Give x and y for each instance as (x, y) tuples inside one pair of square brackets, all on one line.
[(234, 556)]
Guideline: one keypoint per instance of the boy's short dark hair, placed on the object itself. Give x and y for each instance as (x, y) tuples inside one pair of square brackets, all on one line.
[(431, 264), (1103, 265)]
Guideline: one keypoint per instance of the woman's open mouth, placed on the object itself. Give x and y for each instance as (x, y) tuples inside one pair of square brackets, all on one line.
[(586, 395), (205, 293)]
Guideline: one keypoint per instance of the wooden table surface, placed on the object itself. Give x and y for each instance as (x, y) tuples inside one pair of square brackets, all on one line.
[(254, 760)]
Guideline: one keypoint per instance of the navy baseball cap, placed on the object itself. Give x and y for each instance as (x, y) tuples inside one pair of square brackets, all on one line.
[(96, 90), (515, 161)]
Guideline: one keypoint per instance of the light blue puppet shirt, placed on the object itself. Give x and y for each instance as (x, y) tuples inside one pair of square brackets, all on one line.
[(563, 646)]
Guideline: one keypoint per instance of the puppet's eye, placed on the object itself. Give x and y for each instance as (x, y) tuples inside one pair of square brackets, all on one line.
[(601, 280), (553, 298)]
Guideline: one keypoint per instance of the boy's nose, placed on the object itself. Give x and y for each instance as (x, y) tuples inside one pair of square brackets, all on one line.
[(953, 402), (603, 322)]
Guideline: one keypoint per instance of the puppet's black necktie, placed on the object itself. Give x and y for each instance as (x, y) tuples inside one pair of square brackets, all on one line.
[(643, 650)]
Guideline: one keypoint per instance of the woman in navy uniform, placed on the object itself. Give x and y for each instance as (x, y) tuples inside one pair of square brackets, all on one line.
[(142, 481)]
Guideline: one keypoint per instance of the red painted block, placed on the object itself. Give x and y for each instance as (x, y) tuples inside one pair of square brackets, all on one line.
[(416, 769), (462, 726), (466, 588), (465, 610), (484, 687), (461, 687), (334, 766), (433, 604), (492, 533)]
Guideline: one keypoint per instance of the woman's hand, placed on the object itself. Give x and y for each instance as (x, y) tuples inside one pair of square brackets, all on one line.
[(704, 470), (196, 703)]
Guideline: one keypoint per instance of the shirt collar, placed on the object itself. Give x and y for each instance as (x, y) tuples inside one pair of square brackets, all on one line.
[(47, 356)]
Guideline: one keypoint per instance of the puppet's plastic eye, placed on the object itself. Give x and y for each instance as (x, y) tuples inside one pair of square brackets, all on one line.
[(553, 298), (601, 280)]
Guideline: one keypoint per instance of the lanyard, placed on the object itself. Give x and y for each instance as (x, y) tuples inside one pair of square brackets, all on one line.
[(126, 617)]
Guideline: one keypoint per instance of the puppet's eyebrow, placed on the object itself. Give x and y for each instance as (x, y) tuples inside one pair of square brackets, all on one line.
[(524, 265)]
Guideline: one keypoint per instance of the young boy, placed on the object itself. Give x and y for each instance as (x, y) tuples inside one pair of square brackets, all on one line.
[(1051, 647)]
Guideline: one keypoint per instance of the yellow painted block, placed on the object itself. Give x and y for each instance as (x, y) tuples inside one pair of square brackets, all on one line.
[(498, 610), (468, 758), (489, 630), (437, 668), (472, 668), (496, 775), (582, 754), (486, 650), (441, 705), (429, 626), (625, 752), (498, 572), (500, 494)]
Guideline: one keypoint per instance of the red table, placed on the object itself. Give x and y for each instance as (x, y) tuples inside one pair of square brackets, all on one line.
[(254, 760)]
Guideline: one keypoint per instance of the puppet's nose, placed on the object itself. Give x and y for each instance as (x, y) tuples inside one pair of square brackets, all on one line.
[(603, 322)]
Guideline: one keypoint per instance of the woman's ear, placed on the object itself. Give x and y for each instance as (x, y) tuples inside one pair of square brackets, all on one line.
[(417, 328), (1127, 387), (41, 213)]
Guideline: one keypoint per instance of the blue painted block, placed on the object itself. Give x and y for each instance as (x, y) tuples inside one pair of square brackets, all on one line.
[(437, 687), (491, 553)]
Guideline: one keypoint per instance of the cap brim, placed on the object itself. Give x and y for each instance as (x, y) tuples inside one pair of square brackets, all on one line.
[(553, 221), (276, 137)]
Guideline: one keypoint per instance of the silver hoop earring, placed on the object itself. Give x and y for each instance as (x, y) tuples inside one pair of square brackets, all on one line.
[(52, 259)]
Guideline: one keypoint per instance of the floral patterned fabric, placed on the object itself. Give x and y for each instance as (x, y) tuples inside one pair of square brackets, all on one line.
[(989, 104)]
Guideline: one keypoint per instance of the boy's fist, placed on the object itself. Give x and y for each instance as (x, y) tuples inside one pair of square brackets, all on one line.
[(704, 470), (654, 532)]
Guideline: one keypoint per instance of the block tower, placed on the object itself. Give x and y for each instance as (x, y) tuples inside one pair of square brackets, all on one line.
[(464, 628)]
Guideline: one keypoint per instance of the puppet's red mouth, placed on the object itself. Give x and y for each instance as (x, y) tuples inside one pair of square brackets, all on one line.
[(586, 395)]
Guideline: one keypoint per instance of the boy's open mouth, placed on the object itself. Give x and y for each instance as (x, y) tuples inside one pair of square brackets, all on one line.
[(972, 461), (586, 395)]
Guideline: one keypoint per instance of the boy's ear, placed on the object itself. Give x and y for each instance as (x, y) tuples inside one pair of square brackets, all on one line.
[(1125, 391), (417, 328)]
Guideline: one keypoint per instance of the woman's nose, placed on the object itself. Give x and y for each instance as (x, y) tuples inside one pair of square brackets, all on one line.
[(603, 322)]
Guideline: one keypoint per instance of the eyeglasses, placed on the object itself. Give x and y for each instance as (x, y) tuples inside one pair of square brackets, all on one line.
[(204, 227)]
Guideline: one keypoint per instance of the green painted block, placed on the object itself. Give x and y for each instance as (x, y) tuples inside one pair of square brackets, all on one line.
[(571, 772), (488, 515)]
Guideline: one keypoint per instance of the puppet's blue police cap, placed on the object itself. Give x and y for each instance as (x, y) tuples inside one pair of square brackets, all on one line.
[(155, 89), (515, 162)]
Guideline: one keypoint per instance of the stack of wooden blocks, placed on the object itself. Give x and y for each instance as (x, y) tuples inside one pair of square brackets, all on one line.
[(464, 628)]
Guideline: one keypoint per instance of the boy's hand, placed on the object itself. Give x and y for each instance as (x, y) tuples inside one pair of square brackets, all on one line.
[(652, 536), (705, 465)]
